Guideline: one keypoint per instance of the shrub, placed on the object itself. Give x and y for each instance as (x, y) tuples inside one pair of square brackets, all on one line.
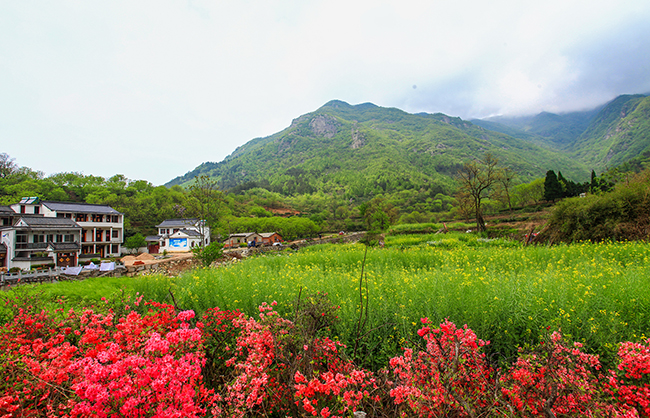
[(623, 213), (208, 254)]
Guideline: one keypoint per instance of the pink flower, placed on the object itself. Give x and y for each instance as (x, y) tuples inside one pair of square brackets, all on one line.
[(185, 315)]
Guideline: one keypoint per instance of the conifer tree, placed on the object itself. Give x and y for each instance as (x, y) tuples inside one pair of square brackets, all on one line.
[(552, 187)]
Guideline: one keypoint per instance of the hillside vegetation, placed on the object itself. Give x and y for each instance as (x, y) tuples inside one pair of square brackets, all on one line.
[(601, 139), (622, 214), (365, 150)]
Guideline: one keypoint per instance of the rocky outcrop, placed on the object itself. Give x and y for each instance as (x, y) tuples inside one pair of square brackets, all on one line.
[(358, 138), (324, 125)]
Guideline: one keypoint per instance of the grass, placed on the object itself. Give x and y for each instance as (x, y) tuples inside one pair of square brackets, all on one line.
[(597, 294)]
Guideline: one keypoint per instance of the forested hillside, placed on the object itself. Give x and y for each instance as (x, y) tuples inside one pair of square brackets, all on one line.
[(365, 150), (602, 138)]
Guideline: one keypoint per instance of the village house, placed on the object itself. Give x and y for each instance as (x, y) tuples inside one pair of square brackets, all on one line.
[(252, 239), (60, 233), (179, 235), (35, 241), (271, 238), (248, 238)]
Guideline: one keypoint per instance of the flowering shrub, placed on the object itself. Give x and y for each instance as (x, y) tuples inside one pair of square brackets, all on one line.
[(94, 364), (219, 339), (556, 379), (631, 382), (450, 377), (277, 370), (35, 352), (156, 363)]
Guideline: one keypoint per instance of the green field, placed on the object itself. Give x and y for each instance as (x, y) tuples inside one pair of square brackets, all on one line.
[(597, 294)]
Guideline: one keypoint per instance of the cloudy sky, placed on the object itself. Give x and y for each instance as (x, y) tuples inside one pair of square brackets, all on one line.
[(151, 89)]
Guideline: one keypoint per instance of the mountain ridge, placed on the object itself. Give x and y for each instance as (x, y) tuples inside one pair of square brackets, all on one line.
[(359, 147)]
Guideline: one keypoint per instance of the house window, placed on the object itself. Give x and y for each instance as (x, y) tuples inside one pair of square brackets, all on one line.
[(115, 248), (37, 209), (116, 233), (22, 208), (39, 238), (59, 238), (68, 238)]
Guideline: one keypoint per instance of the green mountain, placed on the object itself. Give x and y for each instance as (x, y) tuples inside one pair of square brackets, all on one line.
[(364, 150), (602, 138), (619, 133), (558, 131)]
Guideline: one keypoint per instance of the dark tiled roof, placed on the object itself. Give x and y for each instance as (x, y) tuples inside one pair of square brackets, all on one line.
[(80, 208), (178, 223), (6, 210), (188, 232), (65, 246), (153, 238), (46, 222)]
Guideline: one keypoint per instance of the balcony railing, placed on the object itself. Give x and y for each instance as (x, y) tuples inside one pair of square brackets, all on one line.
[(31, 245)]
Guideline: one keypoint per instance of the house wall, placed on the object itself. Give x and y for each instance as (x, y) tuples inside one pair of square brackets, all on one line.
[(27, 209), (8, 237), (180, 243)]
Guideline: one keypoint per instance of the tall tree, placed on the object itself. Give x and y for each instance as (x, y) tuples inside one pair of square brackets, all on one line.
[(476, 179), (7, 165), (378, 214), (505, 182), (206, 199), (552, 187)]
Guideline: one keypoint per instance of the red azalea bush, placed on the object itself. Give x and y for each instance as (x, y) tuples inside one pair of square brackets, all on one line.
[(99, 365), (162, 363), (631, 382), (450, 377), (280, 370)]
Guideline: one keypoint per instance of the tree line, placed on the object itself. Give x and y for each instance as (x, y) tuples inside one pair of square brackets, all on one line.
[(483, 186)]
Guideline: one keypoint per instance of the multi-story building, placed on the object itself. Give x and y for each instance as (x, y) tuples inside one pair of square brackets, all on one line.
[(101, 227), (36, 240)]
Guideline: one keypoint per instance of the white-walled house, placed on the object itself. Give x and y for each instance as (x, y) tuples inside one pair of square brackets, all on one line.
[(100, 232), (102, 226), (179, 235), (36, 240)]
